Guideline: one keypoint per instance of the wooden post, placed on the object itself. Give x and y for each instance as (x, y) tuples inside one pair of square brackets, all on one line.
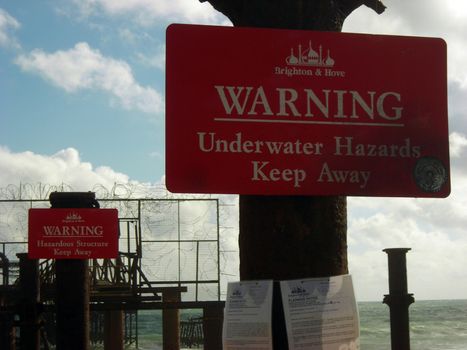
[(171, 321), (114, 334), (287, 237), (5, 269), (283, 238), (72, 304), (213, 316), (72, 283), (7, 331), (29, 299)]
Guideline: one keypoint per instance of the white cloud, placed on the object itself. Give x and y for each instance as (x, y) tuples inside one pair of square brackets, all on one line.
[(128, 36), (63, 167), (458, 152), (8, 24), (434, 264), (36, 175), (156, 60), (147, 12), (433, 228), (457, 107), (429, 18), (85, 68), (457, 144)]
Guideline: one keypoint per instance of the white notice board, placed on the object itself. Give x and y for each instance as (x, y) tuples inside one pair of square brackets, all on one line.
[(247, 316), (321, 313)]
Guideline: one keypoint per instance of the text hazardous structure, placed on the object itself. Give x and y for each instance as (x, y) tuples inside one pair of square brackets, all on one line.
[(261, 111), (73, 233)]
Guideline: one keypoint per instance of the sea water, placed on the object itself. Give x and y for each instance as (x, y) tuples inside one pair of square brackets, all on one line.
[(434, 325)]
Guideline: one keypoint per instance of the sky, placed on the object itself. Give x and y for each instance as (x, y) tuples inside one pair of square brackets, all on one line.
[(82, 103)]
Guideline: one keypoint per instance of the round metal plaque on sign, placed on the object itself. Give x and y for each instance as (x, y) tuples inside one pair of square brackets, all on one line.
[(430, 174)]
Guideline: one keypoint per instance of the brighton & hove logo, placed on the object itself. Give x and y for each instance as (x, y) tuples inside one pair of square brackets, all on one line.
[(309, 57), (73, 217), (297, 290), (237, 293), (307, 60)]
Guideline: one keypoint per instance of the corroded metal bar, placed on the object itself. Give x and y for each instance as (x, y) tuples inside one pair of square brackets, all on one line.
[(398, 299)]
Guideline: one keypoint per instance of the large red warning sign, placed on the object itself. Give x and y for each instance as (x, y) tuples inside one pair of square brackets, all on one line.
[(261, 111)]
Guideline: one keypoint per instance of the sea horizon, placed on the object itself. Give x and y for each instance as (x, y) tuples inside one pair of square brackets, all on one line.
[(439, 324)]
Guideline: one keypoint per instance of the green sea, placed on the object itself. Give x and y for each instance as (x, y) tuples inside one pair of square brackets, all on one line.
[(434, 325)]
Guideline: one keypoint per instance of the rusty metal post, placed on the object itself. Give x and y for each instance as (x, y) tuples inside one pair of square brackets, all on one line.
[(114, 334), (28, 302), (72, 304), (171, 321), (7, 331), (398, 299), (213, 317), (72, 283), (5, 264)]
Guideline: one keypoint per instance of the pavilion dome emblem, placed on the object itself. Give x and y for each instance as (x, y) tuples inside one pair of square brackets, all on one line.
[(309, 57), (73, 217)]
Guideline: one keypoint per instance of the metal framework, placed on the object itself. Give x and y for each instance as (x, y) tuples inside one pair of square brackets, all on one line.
[(164, 245), (159, 246)]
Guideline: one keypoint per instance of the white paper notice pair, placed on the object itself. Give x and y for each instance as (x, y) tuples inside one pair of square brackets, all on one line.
[(320, 314)]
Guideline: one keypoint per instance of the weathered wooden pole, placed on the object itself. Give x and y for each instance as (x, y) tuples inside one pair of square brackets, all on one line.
[(5, 269), (114, 330), (171, 321), (213, 316), (28, 302), (72, 283), (286, 237), (7, 331), (289, 237)]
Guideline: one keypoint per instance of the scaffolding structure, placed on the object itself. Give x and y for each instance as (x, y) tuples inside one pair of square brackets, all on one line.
[(165, 246)]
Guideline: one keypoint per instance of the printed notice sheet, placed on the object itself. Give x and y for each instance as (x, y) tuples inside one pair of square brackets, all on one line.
[(321, 314), (247, 316)]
